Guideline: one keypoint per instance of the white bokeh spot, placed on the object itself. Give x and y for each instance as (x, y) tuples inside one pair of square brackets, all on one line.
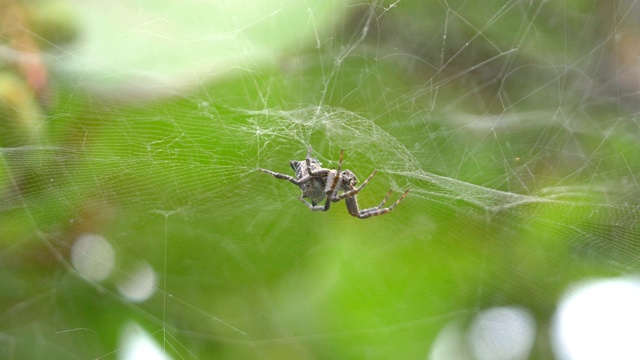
[(506, 333), (93, 257), (599, 320), (136, 343), (140, 283)]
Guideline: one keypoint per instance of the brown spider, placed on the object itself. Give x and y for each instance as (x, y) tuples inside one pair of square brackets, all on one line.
[(318, 183)]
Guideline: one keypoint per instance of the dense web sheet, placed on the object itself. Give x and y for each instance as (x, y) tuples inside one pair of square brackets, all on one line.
[(135, 221)]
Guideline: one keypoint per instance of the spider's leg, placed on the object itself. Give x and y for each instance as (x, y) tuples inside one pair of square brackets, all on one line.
[(308, 159), (379, 207), (293, 180), (377, 210), (327, 204), (398, 201), (319, 173), (279, 176), (352, 192), (312, 172), (333, 189), (386, 197), (331, 186), (316, 207), (352, 206)]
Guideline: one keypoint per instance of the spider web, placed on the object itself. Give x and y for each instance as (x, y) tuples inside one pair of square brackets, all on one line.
[(134, 221)]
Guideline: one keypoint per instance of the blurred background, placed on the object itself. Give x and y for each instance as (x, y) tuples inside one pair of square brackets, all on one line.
[(134, 222)]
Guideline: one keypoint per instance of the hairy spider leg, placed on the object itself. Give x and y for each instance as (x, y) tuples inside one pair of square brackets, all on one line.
[(300, 181), (340, 160), (386, 197), (308, 159), (310, 171), (316, 207), (378, 211), (337, 178), (327, 203), (353, 192), (352, 207)]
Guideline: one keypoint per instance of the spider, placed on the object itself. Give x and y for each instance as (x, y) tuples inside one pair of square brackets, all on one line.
[(318, 183)]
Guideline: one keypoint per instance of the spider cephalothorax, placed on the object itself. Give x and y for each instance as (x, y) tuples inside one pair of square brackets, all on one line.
[(318, 183)]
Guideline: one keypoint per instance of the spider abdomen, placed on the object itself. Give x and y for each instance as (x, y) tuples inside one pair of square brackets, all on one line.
[(314, 190)]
